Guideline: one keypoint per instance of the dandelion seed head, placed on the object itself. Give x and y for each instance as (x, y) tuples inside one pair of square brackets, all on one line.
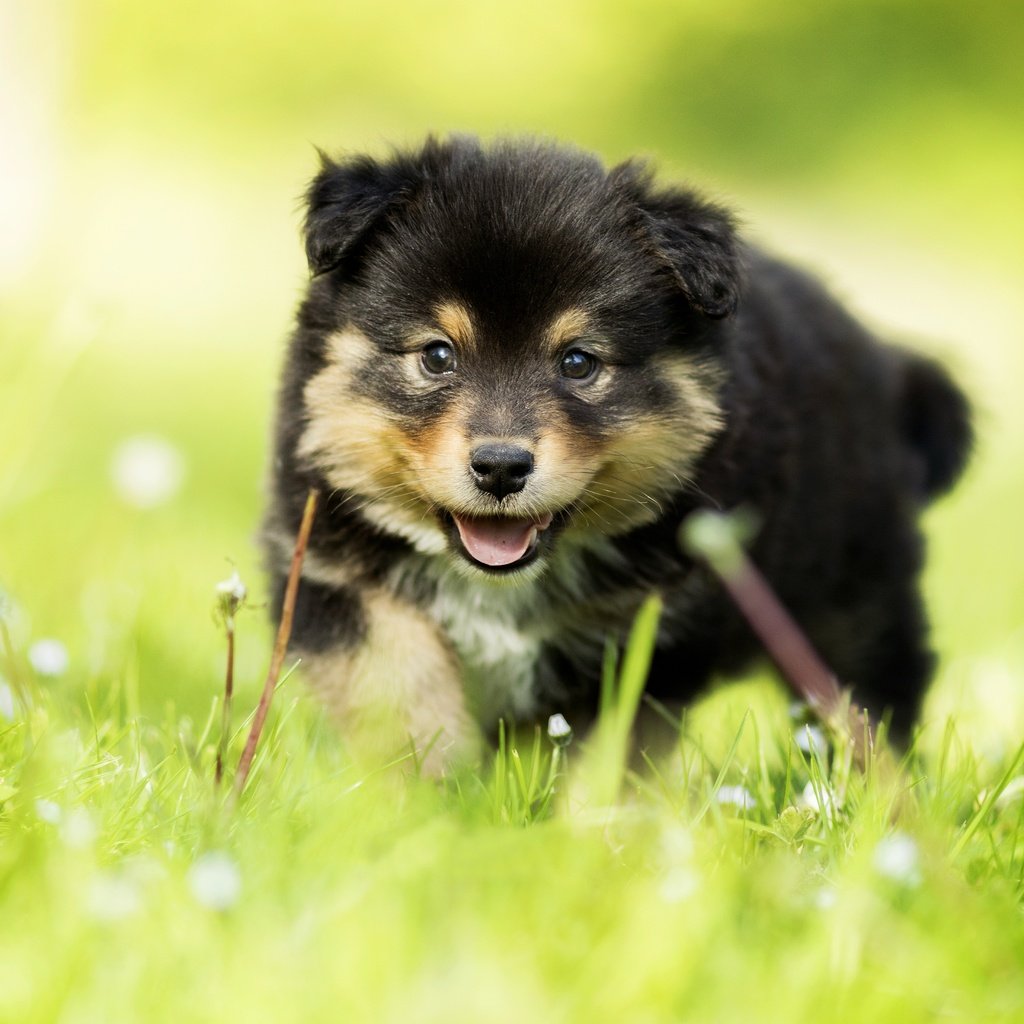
[(147, 471), (215, 881), (49, 657), (232, 587), (231, 594)]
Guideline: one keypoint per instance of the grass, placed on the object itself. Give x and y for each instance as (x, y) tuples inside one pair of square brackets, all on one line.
[(730, 877)]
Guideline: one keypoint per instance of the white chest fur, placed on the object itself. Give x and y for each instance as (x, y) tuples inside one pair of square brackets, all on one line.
[(497, 634)]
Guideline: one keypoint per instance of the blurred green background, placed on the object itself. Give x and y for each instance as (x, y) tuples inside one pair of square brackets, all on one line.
[(152, 159)]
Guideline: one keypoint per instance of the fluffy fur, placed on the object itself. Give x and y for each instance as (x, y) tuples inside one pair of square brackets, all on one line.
[(513, 375)]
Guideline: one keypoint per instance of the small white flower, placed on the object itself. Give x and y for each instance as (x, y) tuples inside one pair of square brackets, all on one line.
[(6, 701), (821, 800), (898, 859), (559, 731), (49, 657), (48, 811), (810, 737), (737, 796), (78, 830), (1012, 791), (147, 471), (825, 898), (681, 879), (215, 881), (113, 897), (679, 884)]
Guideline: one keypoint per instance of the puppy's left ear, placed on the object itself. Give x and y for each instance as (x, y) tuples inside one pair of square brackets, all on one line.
[(695, 241)]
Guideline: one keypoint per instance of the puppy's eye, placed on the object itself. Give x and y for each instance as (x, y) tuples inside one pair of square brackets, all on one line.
[(578, 365), (438, 357)]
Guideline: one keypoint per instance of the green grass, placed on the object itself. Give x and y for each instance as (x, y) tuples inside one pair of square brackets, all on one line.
[(584, 884)]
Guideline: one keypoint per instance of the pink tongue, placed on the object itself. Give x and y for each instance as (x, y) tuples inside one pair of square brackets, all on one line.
[(498, 541)]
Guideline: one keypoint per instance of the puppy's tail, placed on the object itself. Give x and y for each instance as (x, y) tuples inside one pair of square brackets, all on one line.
[(935, 418)]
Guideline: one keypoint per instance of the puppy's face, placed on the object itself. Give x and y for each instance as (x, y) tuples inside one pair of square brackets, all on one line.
[(509, 360)]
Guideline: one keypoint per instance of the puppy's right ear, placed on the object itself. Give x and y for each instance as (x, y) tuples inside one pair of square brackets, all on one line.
[(343, 202)]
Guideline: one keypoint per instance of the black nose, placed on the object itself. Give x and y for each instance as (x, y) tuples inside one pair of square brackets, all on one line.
[(500, 469)]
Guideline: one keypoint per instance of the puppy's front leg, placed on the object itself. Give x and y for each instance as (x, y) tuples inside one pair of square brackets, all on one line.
[(386, 673)]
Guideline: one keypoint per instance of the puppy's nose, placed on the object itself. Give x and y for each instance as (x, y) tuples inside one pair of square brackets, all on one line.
[(500, 469)]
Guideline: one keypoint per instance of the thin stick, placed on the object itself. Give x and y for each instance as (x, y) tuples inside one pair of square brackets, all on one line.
[(229, 687), (284, 632), (710, 535)]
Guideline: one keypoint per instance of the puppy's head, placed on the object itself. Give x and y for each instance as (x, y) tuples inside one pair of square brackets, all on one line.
[(514, 347)]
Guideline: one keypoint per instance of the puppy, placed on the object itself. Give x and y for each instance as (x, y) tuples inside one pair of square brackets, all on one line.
[(512, 377)]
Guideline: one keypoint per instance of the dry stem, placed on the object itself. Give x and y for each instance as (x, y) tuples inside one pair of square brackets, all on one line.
[(709, 535), (284, 632)]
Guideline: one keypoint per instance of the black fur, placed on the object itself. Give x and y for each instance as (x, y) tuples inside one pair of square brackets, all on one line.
[(833, 439)]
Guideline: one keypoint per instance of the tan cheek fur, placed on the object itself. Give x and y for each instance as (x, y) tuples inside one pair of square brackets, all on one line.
[(654, 456), (402, 684), (358, 449)]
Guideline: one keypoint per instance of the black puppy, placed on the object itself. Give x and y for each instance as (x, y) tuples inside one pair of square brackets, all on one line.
[(513, 376)]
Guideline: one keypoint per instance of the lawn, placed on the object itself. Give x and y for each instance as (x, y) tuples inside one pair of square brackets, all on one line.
[(739, 868)]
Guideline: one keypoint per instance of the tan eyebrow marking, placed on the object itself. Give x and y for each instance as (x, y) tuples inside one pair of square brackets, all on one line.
[(454, 319), (565, 327)]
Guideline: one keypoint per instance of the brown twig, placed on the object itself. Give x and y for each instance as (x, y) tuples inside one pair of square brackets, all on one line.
[(284, 632), (711, 536)]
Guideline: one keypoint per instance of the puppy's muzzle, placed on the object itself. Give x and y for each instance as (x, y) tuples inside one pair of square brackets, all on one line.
[(500, 469)]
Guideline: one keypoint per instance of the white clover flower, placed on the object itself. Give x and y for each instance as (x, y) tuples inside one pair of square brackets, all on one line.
[(737, 796), (48, 811), (215, 881), (559, 731), (49, 657), (898, 859), (147, 471), (811, 738)]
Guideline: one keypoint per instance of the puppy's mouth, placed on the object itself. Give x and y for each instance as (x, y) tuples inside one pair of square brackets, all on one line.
[(500, 543)]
